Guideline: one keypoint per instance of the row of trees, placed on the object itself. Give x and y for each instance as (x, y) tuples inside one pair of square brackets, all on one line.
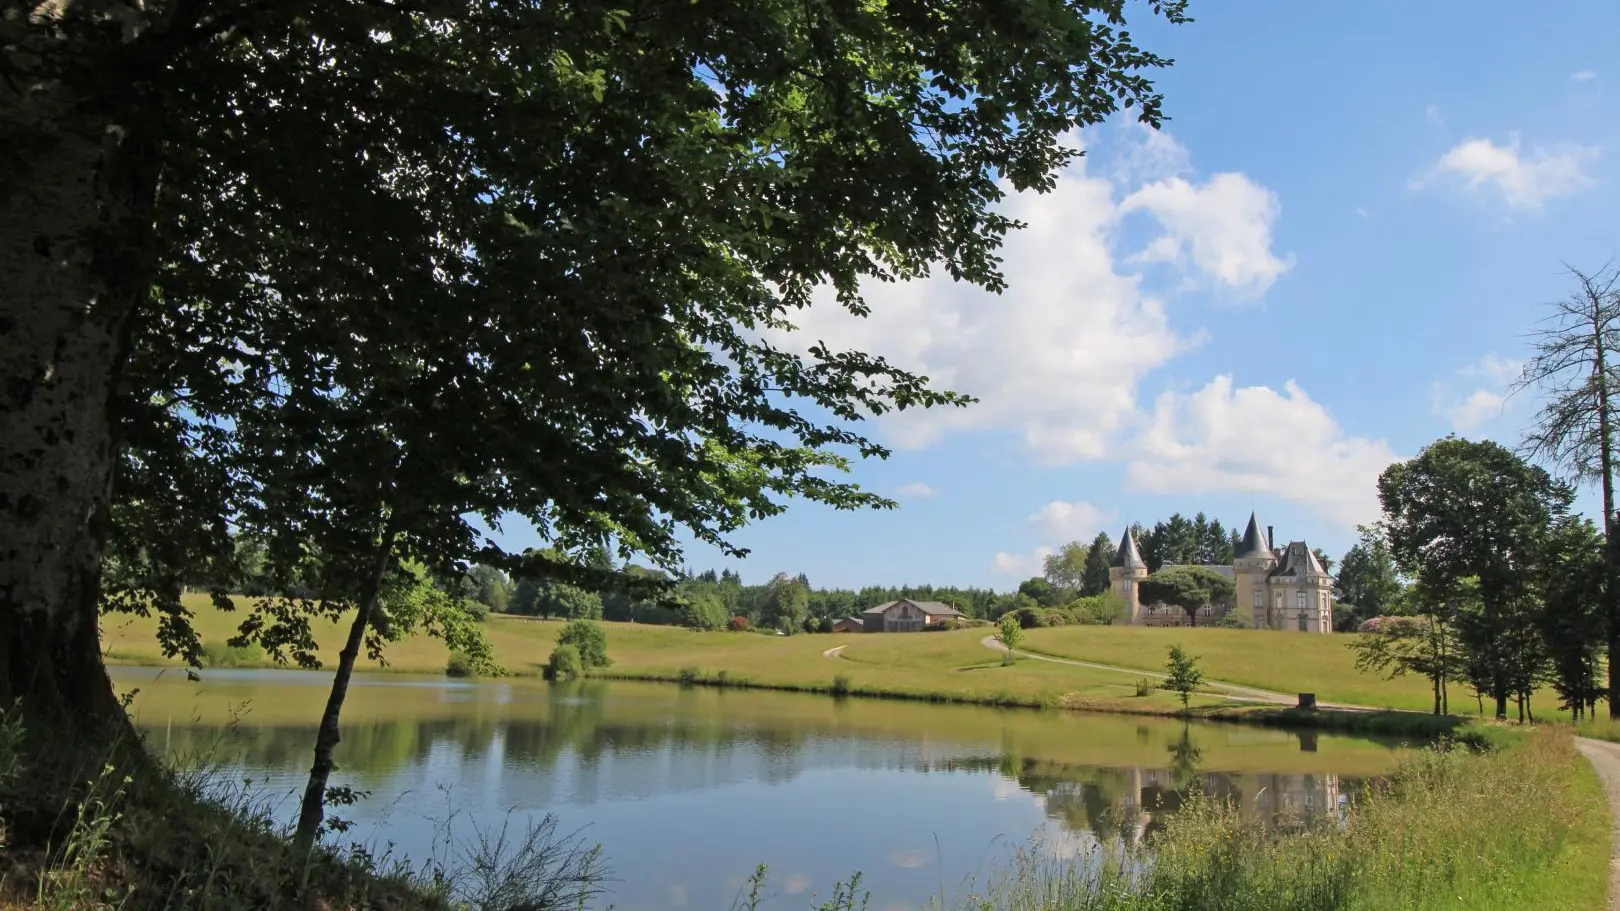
[(1508, 589)]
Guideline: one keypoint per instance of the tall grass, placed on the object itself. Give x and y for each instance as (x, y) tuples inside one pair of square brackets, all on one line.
[(1520, 828)]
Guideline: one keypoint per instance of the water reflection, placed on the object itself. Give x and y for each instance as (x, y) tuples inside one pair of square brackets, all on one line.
[(687, 787)]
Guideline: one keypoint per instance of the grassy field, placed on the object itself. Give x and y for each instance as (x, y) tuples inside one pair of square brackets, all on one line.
[(1285, 662), (946, 667)]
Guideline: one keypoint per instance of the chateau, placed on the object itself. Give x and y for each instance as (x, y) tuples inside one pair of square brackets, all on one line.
[(1282, 588)]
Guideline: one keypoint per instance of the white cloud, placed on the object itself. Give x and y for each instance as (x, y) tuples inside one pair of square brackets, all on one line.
[(1224, 225), (1254, 439), (917, 490), (1479, 408), (1487, 402), (1070, 521), (1022, 564), (1524, 181), (1058, 356), (1582, 76), (1432, 114)]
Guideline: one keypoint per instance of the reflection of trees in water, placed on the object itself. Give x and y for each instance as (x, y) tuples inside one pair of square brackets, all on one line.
[(634, 755)]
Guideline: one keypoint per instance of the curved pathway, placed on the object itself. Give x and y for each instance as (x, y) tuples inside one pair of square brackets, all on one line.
[(1234, 690), (834, 652), (1605, 758)]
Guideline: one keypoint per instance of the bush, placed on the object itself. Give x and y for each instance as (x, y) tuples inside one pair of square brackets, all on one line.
[(740, 624), (588, 638), (1144, 686), (477, 610), (565, 664), (826, 625), (1232, 620), (459, 666), (218, 654), (842, 685), (811, 625), (689, 676)]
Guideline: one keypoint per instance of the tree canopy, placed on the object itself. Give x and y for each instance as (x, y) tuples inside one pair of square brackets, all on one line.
[(1186, 587)]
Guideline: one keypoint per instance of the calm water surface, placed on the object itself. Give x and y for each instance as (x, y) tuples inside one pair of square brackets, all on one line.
[(687, 790)]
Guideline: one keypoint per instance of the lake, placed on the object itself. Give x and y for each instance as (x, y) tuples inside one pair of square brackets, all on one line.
[(687, 790)]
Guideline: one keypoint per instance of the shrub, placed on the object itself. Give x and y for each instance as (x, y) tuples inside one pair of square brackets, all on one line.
[(588, 638), (740, 624), (723, 678), (826, 625), (689, 676), (811, 625), (477, 610), (1232, 620), (1144, 686), (565, 664), (842, 685), (459, 665), (218, 654)]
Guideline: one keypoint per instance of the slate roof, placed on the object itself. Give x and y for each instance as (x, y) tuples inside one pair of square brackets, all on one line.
[(1129, 555), (1297, 560), (931, 608), (1254, 541)]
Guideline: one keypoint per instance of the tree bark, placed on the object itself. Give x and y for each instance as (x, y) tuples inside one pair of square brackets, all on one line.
[(311, 812), (78, 176), (1611, 540)]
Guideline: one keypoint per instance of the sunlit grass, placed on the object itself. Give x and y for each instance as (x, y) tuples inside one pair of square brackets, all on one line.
[(1522, 828)]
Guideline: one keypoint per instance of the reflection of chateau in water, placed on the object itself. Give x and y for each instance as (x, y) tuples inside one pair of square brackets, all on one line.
[(580, 755)]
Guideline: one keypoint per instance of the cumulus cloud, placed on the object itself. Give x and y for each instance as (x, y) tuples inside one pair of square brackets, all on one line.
[(1057, 357), (1580, 76), (1523, 181), (1223, 226), (1022, 564), (1491, 376), (917, 490), (1070, 521), (1223, 438)]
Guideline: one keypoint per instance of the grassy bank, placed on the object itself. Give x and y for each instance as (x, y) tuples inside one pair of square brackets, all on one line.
[(1525, 827), (1283, 662), (949, 667)]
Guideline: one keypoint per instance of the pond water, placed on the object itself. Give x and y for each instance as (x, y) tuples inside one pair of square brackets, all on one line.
[(687, 790)]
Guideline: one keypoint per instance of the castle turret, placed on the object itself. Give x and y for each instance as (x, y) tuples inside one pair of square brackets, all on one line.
[(1128, 569), (1251, 566)]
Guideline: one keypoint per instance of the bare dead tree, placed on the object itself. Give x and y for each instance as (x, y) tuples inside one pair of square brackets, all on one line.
[(1575, 366)]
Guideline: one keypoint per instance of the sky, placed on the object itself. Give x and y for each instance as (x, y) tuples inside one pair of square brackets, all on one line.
[(1330, 256)]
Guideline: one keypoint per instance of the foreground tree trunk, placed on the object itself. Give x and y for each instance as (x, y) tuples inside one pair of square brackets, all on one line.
[(78, 173), (312, 810)]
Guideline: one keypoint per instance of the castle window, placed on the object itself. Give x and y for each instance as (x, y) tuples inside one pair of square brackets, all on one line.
[(1259, 598), (1303, 626), (1299, 600)]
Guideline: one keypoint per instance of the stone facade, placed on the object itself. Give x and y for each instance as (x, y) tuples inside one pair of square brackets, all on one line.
[(1282, 588)]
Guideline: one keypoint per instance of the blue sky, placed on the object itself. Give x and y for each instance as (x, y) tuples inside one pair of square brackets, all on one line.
[(1328, 259)]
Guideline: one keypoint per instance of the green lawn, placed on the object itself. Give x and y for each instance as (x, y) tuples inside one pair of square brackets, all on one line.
[(1283, 661)]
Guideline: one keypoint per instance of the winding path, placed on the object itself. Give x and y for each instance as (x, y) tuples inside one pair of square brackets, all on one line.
[(1605, 758)]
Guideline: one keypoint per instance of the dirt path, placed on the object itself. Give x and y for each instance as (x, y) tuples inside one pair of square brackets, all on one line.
[(1605, 757), (835, 652), (1233, 690)]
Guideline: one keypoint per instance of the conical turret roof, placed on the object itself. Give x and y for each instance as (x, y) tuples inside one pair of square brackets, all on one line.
[(1129, 555), (1254, 541)]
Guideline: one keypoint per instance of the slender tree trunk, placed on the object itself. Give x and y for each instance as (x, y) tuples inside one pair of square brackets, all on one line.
[(1436, 682), (312, 810), (78, 174), (1611, 534)]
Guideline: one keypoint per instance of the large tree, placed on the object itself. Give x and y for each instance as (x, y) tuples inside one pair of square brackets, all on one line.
[(1065, 568), (1187, 587), (1099, 557), (554, 224), (1576, 366), (1474, 510)]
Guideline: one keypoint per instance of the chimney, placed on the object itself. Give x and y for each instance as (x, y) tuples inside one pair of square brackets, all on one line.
[(1271, 539)]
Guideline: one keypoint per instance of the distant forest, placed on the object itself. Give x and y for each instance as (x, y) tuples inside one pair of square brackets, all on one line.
[(1074, 578)]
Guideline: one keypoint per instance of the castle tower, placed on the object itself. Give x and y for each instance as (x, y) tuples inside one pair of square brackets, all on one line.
[(1128, 569), (1251, 566)]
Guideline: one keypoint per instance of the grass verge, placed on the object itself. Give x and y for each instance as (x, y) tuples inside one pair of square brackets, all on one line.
[(1520, 827)]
